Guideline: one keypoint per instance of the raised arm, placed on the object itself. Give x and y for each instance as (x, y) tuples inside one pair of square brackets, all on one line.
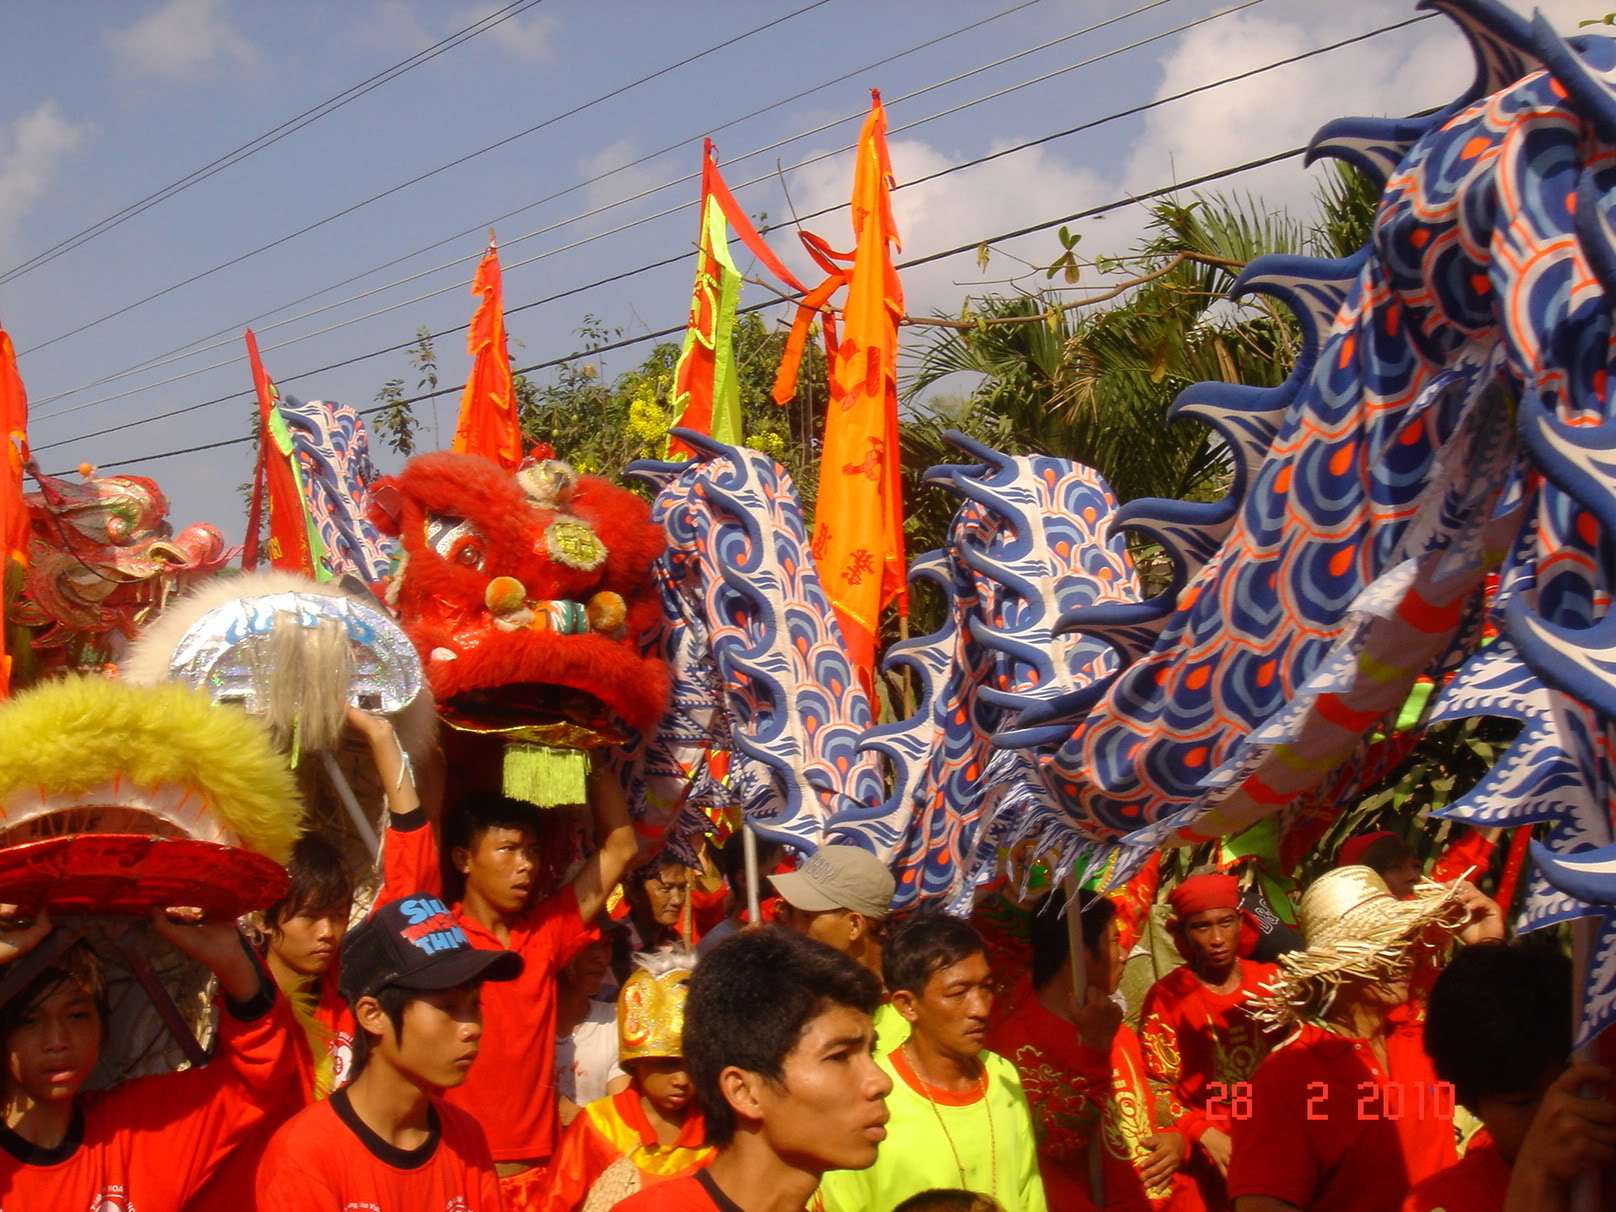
[(614, 835)]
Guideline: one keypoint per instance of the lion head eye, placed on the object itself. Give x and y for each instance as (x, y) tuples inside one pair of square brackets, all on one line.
[(456, 540)]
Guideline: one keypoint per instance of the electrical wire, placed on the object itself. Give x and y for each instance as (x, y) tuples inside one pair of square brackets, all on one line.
[(230, 332), (292, 125), (973, 246), (276, 243), (1092, 123), (675, 209)]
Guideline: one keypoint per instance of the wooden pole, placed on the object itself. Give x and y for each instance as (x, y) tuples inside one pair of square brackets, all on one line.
[(1080, 989), (1584, 931), (754, 913)]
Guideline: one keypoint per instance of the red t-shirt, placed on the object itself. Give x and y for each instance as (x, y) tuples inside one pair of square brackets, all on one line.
[(1330, 1132), (1477, 1182), (148, 1144), (327, 1160), (511, 1088), (698, 1193), (1075, 1091), (1195, 1038)]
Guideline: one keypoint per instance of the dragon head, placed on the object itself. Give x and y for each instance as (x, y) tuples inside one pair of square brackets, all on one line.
[(526, 594)]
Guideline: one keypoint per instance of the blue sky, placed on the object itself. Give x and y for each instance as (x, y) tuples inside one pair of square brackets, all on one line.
[(105, 102)]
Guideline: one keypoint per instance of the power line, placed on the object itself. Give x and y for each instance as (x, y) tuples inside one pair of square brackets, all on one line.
[(973, 246), (181, 352), (1084, 126), (197, 277), (675, 209), (251, 147)]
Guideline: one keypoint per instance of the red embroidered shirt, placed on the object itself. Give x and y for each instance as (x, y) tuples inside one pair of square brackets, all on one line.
[(1074, 1091), (1196, 1039)]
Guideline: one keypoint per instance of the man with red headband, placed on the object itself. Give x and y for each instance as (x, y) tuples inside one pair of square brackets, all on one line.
[(1199, 1038)]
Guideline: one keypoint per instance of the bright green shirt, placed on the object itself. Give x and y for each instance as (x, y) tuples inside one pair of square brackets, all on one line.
[(982, 1142), (891, 1029)]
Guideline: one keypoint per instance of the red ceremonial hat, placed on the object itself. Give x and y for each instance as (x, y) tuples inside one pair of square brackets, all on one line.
[(1352, 850), (1202, 892)]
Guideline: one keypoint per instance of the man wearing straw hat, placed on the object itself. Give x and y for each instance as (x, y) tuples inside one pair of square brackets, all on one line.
[(1346, 1114)]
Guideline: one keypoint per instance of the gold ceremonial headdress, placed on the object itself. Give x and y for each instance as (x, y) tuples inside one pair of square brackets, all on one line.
[(651, 1006)]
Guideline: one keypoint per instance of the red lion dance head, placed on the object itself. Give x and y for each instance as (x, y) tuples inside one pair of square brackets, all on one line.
[(526, 595)]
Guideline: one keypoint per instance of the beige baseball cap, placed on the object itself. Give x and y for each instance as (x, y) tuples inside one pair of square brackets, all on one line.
[(839, 877)]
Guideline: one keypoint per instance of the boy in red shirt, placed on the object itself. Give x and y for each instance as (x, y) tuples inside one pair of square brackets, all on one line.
[(386, 1141), (778, 1043), (147, 1144), (1084, 1073), (492, 847), (1346, 1115), (1199, 1037), (1499, 1032)]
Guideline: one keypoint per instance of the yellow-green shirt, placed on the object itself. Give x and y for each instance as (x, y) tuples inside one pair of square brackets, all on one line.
[(981, 1141)]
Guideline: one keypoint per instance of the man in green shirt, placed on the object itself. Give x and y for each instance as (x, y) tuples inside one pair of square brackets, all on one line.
[(841, 897), (959, 1116)]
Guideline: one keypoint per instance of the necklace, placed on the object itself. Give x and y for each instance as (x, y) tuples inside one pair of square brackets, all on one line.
[(993, 1140)]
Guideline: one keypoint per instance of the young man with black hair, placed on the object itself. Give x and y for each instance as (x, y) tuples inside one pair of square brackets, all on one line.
[(1200, 1040), (150, 1143), (1085, 1073), (777, 1042), (958, 1111), (492, 848), (386, 1140), (1498, 1031)]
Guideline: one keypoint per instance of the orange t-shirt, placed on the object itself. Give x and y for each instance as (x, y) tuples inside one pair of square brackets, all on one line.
[(1330, 1132), (327, 1160), (511, 1088), (698, 1193), (148, 1144), (1476, 1183)]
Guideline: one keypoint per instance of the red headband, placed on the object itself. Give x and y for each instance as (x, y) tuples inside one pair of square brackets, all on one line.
[(1202, 892)]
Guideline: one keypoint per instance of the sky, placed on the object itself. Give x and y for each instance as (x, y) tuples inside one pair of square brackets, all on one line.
[(593, 114)]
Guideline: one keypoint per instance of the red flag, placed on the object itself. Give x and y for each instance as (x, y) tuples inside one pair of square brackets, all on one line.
[(488, 424), (13, 513), (292, 545), (858, 525)]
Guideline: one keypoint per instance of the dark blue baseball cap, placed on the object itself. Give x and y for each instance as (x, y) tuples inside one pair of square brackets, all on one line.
[(415, 943)]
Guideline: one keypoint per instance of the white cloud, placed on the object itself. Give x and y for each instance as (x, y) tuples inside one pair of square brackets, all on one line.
[(182, 40), (32, 149), (528, 39), (1398, 73), (961, 208)]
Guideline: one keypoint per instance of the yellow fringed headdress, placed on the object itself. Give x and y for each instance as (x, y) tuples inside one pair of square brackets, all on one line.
[(113, 796), (651, 1006)]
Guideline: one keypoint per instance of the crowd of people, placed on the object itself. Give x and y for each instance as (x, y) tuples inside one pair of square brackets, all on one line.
[(478, 1042)]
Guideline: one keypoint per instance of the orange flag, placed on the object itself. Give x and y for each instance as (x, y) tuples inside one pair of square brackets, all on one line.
[(488, 424), (13, 513), (858, 527), (294, 544)]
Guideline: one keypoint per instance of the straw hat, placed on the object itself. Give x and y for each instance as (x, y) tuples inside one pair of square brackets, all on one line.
[(1355, 928)]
